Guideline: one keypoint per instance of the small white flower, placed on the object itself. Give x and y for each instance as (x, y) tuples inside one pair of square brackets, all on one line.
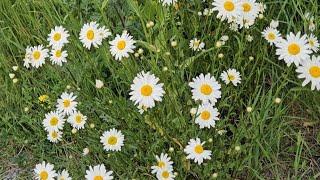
[(44, 171), (64, 175), (122, 46), (274, 24), (112, 140), (58, 37), (196, 45), (77, 120), (231, 75), (195, 151), (99, 84), (98, 172)]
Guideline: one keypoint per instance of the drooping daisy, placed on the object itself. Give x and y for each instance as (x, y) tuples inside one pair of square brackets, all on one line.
[(167, 2), (54, 136), (165, 174), (227, 9), (98, 172), (313, 43), (309, 70), (77, 120), (231, 75), (58, 56), (293, 49), (44, 171), (90, 35), (196, 44), (26, 60), (64, 175), (67, 104), (122, 45), (37, 56), (271, 35), (58, 37), (145, 90), (53, 121), (205, 88), (112, 140), (207, 116), (195, 151), (163, 162)]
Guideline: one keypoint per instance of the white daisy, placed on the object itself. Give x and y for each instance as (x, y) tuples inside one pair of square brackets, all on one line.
[(293, 49), (58, 56), (77, 120), (67, 104), (231, 75), (26, 60), (271, 35), (207, 116), (165, 174), (205, 88), (104, 32), (167, 2), (98, 172), (54, 136), (37, 56), (249, 12), (196, 44), (227, 9), (44, 171), (163, 162), (145, 90), (122, 45), (195, 151), (58, 37), (313, 43), (53, 121), (112, 140), (310, 71), (92, 35), (64, 175)]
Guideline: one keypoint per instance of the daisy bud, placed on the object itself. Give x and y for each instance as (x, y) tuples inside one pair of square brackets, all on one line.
[(224, 38), (70, 156), (277, 100), (221, 132), (151, 23), (11, 75), (214, 175), (109, 155), (171, 149), (199, 13), (25, 141), (15, 80), (68, 87), (167, 53), (220, 55), (158, 50), (274, 24), (174, 43), (261, 16), (26, 109), (99, 84), (110, 101), (78, 89), (218, 44), (193, 111), (140, 51), (148, 25), (85, 151), (74, 130), (249, 109), (237, 148), (251, 58), (165, 68), (136, 54), (176, 174), (91, 125), (210, 140), (15, 68)]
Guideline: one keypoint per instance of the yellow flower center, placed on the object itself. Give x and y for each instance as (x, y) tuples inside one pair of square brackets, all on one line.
[(90, 34), (165, 174), (54, 134), (196, 43), (246, 7), (112, 140), (146, 90), (228, 5), (311, 42), (231, 77), (43, 175), (198, 149), (54, 121), (315, 71), (271, 36), (36, 55), (57, 36), (294, 49), (205, 115), (58, 53), (66, 103), (78, 119), (121, 44), (206, 89), (98, 178), (161, 164)]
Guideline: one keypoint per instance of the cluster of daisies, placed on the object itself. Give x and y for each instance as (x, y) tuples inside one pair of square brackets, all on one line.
[(297, 49), (45, 171)]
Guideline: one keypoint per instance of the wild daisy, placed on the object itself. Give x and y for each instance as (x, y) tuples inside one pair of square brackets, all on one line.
[(58, 37), (26, 60), (195, 151), (98, 172), (165, 174), (54, 136), (309, 70), (293, 49), (163, 162), (67, 104), (112, 140), (77, 120), (207, 116), (64, 175), (145, 90), (313, 43), (227, 9), (205, 88), (58, 56), (167, 2), (92, 35), (250, 9), (37, 56), (122, 45), (53, 121), (272, 35), (44, 171), (196, 44), (231, 75)]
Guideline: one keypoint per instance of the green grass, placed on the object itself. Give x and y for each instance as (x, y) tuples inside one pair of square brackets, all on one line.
[(278, 141)]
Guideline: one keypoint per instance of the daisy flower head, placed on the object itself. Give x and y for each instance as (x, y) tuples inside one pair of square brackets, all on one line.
[(77, 120), (249, 12), (90, 35), (58, 56), (205, 88), (195, 151), (227, 9), (54, 136), (67, 104), (98, 172), (44, 171), (37, 56), (122, 45), (293, 49), (146, 89), (165, 174), (313, 43), (104, 32), (26, 60), (58, 37), (272, 35), (163, 162), (207, 116), (53, 121), (196, 45), (231, 75), (112, 140), (309, 70), (167, 2), (64, 175)]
